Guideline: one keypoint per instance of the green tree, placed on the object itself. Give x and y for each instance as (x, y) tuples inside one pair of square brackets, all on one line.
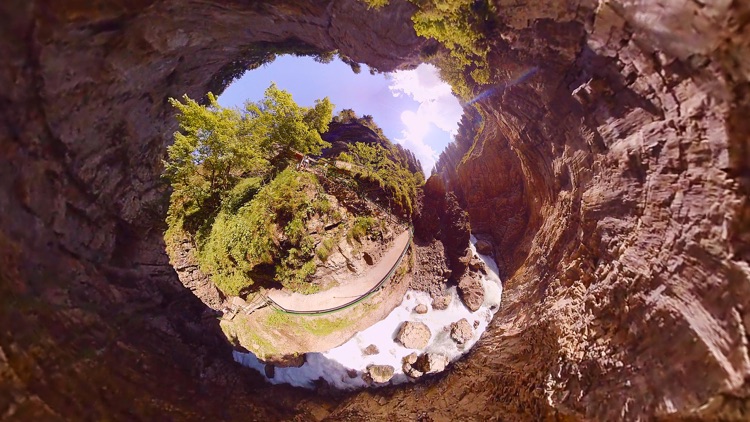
[(269, 229), (209, 156), (462, 28), (279, 122)]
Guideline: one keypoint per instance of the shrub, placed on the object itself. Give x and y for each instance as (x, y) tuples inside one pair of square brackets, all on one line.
[(325, 248), (362, 227), (269, 229)]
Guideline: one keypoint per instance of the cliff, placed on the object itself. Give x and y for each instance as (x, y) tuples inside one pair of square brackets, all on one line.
[(611, 174)]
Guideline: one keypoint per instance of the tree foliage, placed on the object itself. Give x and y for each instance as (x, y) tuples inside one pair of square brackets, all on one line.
[(461, 27), (387, 168), (277, 120), (226, 194), (269, 229)]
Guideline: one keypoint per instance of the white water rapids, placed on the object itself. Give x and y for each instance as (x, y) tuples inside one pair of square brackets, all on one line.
[(336, 365)]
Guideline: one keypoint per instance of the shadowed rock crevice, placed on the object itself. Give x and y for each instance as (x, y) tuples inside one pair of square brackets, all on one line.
[(610, 171)]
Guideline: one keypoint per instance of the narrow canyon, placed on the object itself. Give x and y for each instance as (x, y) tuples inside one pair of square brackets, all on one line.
[(608, 162)]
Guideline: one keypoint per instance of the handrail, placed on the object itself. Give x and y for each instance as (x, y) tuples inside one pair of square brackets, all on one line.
[(355, 301)]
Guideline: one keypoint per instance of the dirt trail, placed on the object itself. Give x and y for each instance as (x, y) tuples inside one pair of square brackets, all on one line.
[(341, 295)]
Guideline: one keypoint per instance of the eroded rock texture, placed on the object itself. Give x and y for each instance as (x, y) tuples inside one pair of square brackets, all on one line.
[(612, 174)]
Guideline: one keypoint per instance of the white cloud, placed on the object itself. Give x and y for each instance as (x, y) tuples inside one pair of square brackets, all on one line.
[(437, 107)]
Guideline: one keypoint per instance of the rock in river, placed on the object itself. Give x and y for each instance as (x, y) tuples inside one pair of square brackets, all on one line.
[(413, 335), (461, 331), (471, 291)]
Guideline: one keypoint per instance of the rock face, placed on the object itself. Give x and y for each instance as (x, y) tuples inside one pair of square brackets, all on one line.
[(190, 275), (461, 331), (471, 291), (441, 219), (413, 335), (611, 171)]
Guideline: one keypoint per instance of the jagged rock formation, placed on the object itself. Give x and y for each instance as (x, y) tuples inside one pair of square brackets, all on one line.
[(617, 141)]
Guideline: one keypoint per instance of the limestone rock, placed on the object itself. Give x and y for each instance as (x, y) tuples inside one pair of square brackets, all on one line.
[(461, 331), (371, 350), (484, 247), (380, 373), (420, 308), (612, 170), (414, 335), (408, 366), (430, 363), (477, 265), (441, 302), (471, 292), (295, 360)]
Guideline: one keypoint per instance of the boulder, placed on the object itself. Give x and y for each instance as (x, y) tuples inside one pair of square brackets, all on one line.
[(294, 360), (484, 247), (380, 373), (413, 335), (421, 308), (270, 371), (430, 363), (440, 303), (477, 265), (461, 331), (408, 366), (471, 292), (371, 350)]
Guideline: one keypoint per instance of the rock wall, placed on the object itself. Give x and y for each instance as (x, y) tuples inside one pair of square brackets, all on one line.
[(95, 324), (625, 246), (625, 241)]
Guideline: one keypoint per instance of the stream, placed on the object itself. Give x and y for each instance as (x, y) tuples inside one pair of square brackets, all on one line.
[(342, 367)]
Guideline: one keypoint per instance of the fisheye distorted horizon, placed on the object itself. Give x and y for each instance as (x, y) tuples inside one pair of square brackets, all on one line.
[(413, 107)]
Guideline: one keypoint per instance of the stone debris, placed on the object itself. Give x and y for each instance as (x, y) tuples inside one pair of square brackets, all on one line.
[(461, 331), (414, 335), (440, 303), (371, 350), (471, 292), (484, 247), (431, 363), (380, 373)]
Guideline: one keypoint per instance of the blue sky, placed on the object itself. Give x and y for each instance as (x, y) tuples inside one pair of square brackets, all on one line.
[(414, 108)]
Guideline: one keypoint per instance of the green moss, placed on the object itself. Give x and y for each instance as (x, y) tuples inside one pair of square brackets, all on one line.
[(325, 248), (241, 330), (362, 227), (321, 325)]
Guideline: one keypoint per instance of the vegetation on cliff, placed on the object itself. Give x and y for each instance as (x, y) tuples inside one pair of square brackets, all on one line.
[(252, 213), (377, 161), (461, 27)]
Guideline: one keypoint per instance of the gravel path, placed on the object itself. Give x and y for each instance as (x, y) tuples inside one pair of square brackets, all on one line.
[(341, 295)]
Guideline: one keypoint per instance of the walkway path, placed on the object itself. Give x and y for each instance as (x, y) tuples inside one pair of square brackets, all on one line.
[(343, 295)]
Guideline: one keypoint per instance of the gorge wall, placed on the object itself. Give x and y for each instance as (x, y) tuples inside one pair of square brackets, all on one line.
[(611, 172)]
